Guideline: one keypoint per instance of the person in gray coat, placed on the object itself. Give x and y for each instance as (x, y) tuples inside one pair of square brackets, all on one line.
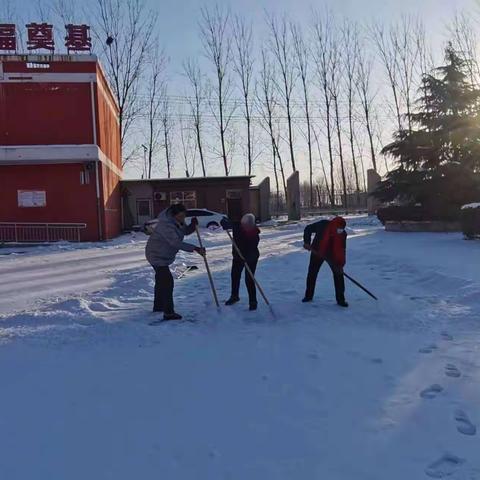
[(161, 250)]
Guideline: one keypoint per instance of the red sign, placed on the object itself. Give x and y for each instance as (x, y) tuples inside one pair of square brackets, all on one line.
[(78, 38), (8, 39), (40, 35)]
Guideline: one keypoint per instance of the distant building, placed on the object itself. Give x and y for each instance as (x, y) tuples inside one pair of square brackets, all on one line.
[(145, 199), (60, 156), (60, 159)]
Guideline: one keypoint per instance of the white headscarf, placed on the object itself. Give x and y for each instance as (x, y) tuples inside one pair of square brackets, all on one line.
[(248, 220)]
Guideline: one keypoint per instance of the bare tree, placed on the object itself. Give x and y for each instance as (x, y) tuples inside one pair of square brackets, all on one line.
[(302, 56), (65, 10), (280, 44), (406, 46), (336, 73), (9, 14), (243, 66), (323, 58), (156, 91), (465, 41), (332, 201), (364, 69), (217, 43), (124, 33), (267, 102), (388, 56), (188, 143), (168, 124), (351, 47), (194, 75)]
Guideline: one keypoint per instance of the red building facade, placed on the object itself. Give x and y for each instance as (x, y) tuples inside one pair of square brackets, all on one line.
[(60, 154)]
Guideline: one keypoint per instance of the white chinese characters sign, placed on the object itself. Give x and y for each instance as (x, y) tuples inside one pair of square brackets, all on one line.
[(32, 198)]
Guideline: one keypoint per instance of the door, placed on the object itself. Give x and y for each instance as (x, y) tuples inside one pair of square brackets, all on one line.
[(144, 211), (234, 209)]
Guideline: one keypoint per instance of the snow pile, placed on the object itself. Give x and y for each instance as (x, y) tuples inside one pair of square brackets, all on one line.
[(471, 205), (382, 390)]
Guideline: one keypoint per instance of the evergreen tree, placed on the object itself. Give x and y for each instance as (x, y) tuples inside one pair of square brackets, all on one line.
[(438, 157)]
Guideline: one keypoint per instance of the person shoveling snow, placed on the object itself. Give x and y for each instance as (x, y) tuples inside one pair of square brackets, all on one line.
[(329, 244), (162, 247)]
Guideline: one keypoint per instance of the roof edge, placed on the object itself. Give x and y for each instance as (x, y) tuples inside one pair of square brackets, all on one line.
[(187, 179), (56, 57)]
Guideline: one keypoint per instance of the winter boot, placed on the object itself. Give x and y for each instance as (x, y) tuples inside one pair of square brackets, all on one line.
[(253, 306), (306, 299), (342, 303), (172, 316), (232, 300)]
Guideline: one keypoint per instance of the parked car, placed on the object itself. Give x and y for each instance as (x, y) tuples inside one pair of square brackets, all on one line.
[(206, 219)]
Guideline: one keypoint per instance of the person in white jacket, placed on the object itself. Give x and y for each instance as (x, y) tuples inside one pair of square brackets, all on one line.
[(161, 250)]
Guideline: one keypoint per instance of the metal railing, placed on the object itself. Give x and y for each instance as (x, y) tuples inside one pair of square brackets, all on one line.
[(40, 232)]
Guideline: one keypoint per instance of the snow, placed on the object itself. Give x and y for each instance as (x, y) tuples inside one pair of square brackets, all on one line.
[(471, 205), (382, 390)]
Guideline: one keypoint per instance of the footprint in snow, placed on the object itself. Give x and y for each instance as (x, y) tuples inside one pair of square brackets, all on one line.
[(428, 349), (452, 371), (432, 391), (445, 466), (464, 425)]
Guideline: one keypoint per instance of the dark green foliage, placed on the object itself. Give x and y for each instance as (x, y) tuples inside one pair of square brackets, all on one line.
[(439, 157)]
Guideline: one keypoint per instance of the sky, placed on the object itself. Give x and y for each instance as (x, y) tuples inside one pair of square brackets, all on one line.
[(178, 18), (178, 31)]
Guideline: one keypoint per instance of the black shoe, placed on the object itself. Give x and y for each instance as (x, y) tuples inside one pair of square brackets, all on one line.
[(232, 300), (157, 310), (306, 299), (253, 306), (342, 303), (172, 316)]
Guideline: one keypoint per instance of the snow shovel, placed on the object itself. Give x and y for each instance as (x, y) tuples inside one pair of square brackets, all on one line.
[(210, 278), (359, 285), (187, 270), (235, 246)]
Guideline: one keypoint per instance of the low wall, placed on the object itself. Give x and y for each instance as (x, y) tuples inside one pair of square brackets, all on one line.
[(432, 226)]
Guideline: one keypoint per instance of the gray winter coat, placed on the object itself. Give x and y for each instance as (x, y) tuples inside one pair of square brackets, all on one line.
[(166, 240)]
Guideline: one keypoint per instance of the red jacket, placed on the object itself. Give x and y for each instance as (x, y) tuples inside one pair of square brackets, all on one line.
[(333, 242)]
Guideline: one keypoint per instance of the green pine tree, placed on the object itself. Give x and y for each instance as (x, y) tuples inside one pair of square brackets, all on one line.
[(438, 159)]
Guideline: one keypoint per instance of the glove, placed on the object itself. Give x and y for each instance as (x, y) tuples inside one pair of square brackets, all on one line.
[(194, 222)]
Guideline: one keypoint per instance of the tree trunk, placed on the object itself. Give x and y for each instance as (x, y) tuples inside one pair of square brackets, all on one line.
[(352, 147), (340, 150)]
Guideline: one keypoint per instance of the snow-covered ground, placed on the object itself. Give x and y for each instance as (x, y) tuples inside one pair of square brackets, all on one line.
[(382, 390)]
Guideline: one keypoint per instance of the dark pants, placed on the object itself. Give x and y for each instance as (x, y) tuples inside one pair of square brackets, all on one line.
[(163, 301), (237, 268), (313, 269)]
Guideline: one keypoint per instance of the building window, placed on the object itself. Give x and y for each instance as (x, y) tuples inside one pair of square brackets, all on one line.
[(143, 208), (233, 194), (31, 198), (144, 211), (189, 198), (84, 177)]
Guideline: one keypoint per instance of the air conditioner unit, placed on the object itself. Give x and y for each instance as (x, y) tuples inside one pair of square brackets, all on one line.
[(160, 196)]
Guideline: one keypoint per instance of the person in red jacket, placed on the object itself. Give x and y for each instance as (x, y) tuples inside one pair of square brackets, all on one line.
[(329, 245)]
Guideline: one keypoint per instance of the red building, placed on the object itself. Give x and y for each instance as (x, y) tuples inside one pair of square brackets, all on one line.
[(60, 155)]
